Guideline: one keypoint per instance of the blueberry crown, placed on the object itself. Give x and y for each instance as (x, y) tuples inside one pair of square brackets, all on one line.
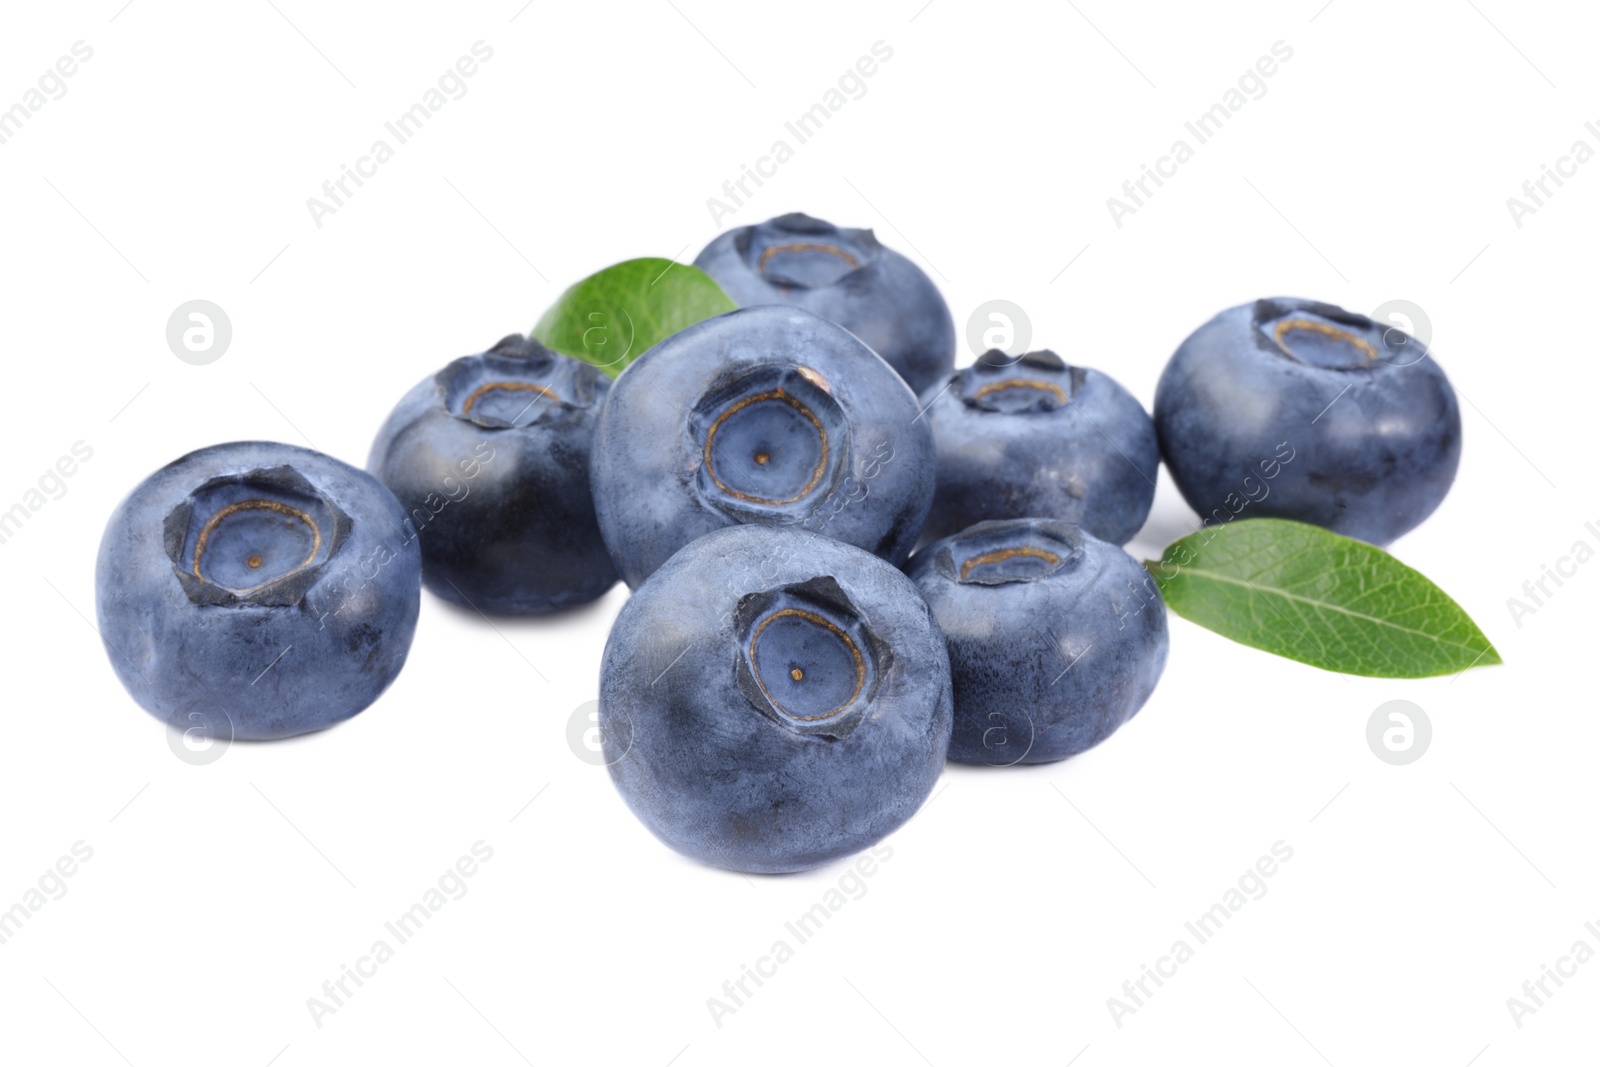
[(1329, 337), (1003, 551), (261, 537), (516, 383), (797, 251), (1032, 383)]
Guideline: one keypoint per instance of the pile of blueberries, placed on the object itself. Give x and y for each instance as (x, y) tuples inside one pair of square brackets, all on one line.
[(792, 671)]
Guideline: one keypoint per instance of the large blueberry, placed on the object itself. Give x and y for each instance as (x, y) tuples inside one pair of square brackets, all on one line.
[(490, 459), (766, 415), (1300, 410), (845, 276), (257, 588), (771, 700), (1056, 638), (1030, 436)]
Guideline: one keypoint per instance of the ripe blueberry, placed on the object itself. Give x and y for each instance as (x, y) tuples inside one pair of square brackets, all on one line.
[(845, 276), (1030, 436), (766, 415), (262, 583), (771, 700), (1056, 638), (490, 459), (1300, 410)]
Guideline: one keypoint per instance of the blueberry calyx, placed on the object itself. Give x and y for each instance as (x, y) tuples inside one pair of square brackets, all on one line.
[(1002, 551), (771, 440), (516, 383), (806, 659), (262, 537), (797, 251), (1035, 382), (1326, 336)]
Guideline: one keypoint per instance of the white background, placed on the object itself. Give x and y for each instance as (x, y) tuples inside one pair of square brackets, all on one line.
[(220, 898)]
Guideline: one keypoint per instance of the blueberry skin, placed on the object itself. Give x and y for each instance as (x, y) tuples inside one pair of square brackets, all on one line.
[(845, 276), (1366, 418), (496, 480), (1031, 436), (766, 415), (1056, 638), (313, 644), (799, 752)]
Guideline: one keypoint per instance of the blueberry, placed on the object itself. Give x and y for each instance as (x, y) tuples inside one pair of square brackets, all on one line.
[(845, 276), (771, 700), (1056, 638), (765, 415), (260, 583), (490, 459), (1030, 436), (1299, 410)]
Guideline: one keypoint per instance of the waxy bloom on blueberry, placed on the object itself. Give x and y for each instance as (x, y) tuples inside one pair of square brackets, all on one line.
[(1369, 418), (490, 459), (845, 276), (262, 585), (1031, 437), (771, 700), (1056, 638), (766, 415)]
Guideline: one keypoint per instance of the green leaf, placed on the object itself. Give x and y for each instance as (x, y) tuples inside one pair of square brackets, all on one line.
[(1311, 595), (613, 317)]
